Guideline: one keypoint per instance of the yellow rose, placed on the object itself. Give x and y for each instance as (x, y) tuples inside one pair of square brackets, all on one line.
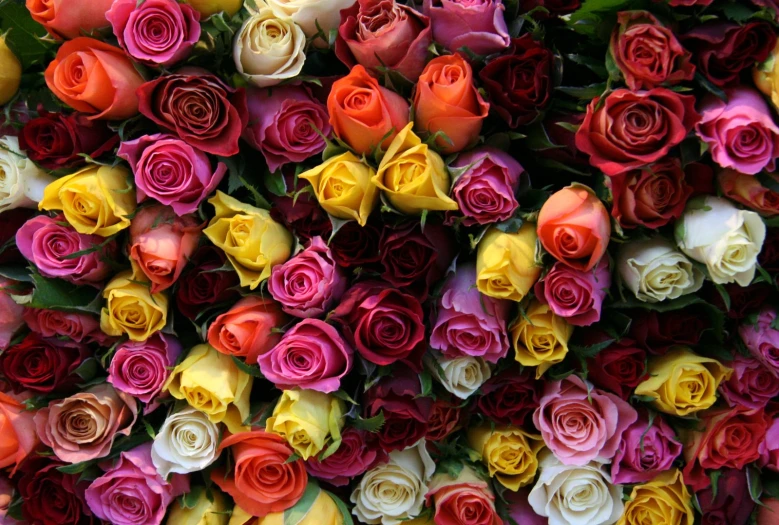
[(95, 200), (510, 453), (682, 382), (211, 7), (10, 72), (205, 511), (343, 187), (766, 76), (540, 337), (241, 517), (506, 263), (663, 501), (306, 418), (413, 176), (253, 242), (213, 384), (132, 309), (323, 511)]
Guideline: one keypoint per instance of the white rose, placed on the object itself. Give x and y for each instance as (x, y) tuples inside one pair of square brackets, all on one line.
[(21, 181), (268, 49), (462, 376), (308, 13), (394, 492), (575, 495), (187, 442), (654, 270)]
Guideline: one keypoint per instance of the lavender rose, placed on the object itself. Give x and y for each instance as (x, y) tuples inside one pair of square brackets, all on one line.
[(645, 450), (762, 340), (751, 385), (476, 24), (353, 458), (573, 294)]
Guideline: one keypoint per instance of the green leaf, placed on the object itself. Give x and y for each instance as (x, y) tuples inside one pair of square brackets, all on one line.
[(593, 64), (372, 424), (345, 514), (274, 183), (588, 351), (246, 368), (332, 449), (737, 11), (711, 88), (25, 36), (87, 369), (584, 92), (17, 273), (714, 476), (295, 515), (190, 499), (61, 295), (754, 483)]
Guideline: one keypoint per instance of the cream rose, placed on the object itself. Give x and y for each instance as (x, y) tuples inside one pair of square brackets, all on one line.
[(310, 13), (21, 181), (462, 376), (187, 442), (654, 270), (269, 49), (394, 492), (727, 240)]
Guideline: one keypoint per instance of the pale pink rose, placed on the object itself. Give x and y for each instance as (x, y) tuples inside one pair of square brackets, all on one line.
[(574, 294), (10, 313)]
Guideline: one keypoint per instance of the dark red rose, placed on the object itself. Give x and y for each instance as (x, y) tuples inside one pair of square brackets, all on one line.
[(304, 216), (55, 140), (43, 365), (651, 196), (769, 256), (657, 332), (445, 419), (519, 82), (563, 141), (555, 7), (509, 398), (406, 414), (204, 285), (354, 245), (10, 222), (50, 497), (733, 504), (383, 324), (619, 368), (743, 301), (201, 109), (722, 50), (359, 452), (701, 177)]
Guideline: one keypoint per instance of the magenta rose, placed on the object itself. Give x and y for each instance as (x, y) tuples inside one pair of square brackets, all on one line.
[(155, 32), (731, 502), (477, 24), (171, 171), (509, 398), (573, 294), (769, 448), (751, 385), (741, 133), (467, 322), (580, 423), (285, 124), (762, 339), (619, 368), (356, 455), (140, 368), (50, 244), (80, 327), (132, 492), (645, 450), (518, 507), (311, 355)]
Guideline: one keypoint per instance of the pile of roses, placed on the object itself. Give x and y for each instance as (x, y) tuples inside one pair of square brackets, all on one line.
[(325, 262)]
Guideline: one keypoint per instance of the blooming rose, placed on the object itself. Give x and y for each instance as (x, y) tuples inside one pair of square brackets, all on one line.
[(406, 412), (540, 338), (12, 73), (743, 301), (506, 263), (517, 505), (246, 329), (131, 309), (80, 327), (618, 368), (85, 425), (354, 245), (479, 25), (663, 500), (171, 171), (50, 496), (43, 365), (210, 508), (630, 129), (354, 457), (509, 453), (323, 511), (312, 16), (63, 20), (645, 450), (766, 513), (465, 498), (460, 375), (18, 437), (299, 211), (748, 191), (446, 418), (752, 384), (186, 442), (23, 183), (509, 398), (575, 295), (730, 503), (205, 284), (762, 339), (199, 108), (11, 312)]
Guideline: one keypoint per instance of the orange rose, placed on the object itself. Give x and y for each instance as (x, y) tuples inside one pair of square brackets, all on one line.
[(574, 227), (246, 329), (94, 78), (69, 18), (262, 480), (747, 190), (447, 101), (363, 113), (17, 432)]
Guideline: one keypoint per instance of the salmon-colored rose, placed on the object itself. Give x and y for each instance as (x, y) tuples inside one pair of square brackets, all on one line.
[(574, 227), (67, 18), (446, 100), (246, 330), (747, 190), (364, 114), (94, 78), (17, 432)]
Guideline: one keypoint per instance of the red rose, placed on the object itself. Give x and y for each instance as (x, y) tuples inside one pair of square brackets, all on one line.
[(509, 398), (354, 245), (701, 177), (769, 257), (561, 145), (42, 365), (55, 140), (205, 283), (445, 419), (732, 504), (10, 222), (406, 413), (201, 109), (619, 368), (657, 332), (303, 215), (743, 300), (51, 497), (631, 129)]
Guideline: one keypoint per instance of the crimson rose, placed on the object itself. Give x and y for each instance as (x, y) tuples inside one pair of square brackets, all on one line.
[(42, 365), (510, 398), (619, 368), (354, 245), (205, 284), (50, 497), (732, 503)]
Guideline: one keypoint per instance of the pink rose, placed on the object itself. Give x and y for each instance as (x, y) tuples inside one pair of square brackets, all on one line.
[(80, 327), (751, 385), (476, 24), (762, 340), (171, 171), (741, 133), (769, 448), (519, 508), (645, 450), (10, 313), (356, 455), (465, 500), (580, 423), (155, 32), (311, 355), (574, 294)]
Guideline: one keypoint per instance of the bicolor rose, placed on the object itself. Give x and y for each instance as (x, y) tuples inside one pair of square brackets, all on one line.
[(69, 20), (748, 191), (465, 499)]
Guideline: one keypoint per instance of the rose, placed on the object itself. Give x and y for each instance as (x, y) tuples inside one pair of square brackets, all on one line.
[(269, 49), (766, 513), (246, 330), (575, 295), (645, 450), (517, 505), (748, 191), (406, 412), (131, 309), (132, 491), (647, 53), (23, 183), (212, 383), (299, 211), (540, 338), (94, 78), (201, 287), (17, 432), (212, 7), (186, 442), (464, 498), (479, 26), (743, 301), (727, 240), (762, 339), (766, 78), (199, 108), (740, 133), (509, 398), (12, 73), (171, 171), (732, 503), (682, 383), (619, 367), (43, 365), (562, 140), (769, 457), (57, 140), (263, 480), (284, 125), (394, 492), (63, 20), (96, 200), (657, 332), (80, 327), (663, 500), (574, 227), (383, 33), (769, 255), (252, 241), (311, 355), (354, 457), (447, 102), (364, 114), (323, 511), (509, 453), (752, 384), (519, 83), (354, 245), (628, 129), (10, 312), (210, 508), (10, 222), (506, 263), (461, 375), (313, 16), (49, 496), (446, 418), (85, 425)]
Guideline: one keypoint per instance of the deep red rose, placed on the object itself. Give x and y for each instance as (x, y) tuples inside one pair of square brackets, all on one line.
[(630, 129), (55, 140), (555, 7), (201, 109), (50, 497), (509, 398), (43, 365), (406, 414), (733, 504), (769, 256), (657, 332), (304, 216), (445, 419), (563, 141), (354, 245), (743, 301), (204, 284), (519, 82), (383, 324), (10, 222), (619, 368), (701, 177)]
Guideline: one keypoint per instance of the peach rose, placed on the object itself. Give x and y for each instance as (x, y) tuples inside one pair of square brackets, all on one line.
[(446, 100), (747, 190), (65, 19), (94, 78), (17, 432), (246, 330), (364, 114)]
